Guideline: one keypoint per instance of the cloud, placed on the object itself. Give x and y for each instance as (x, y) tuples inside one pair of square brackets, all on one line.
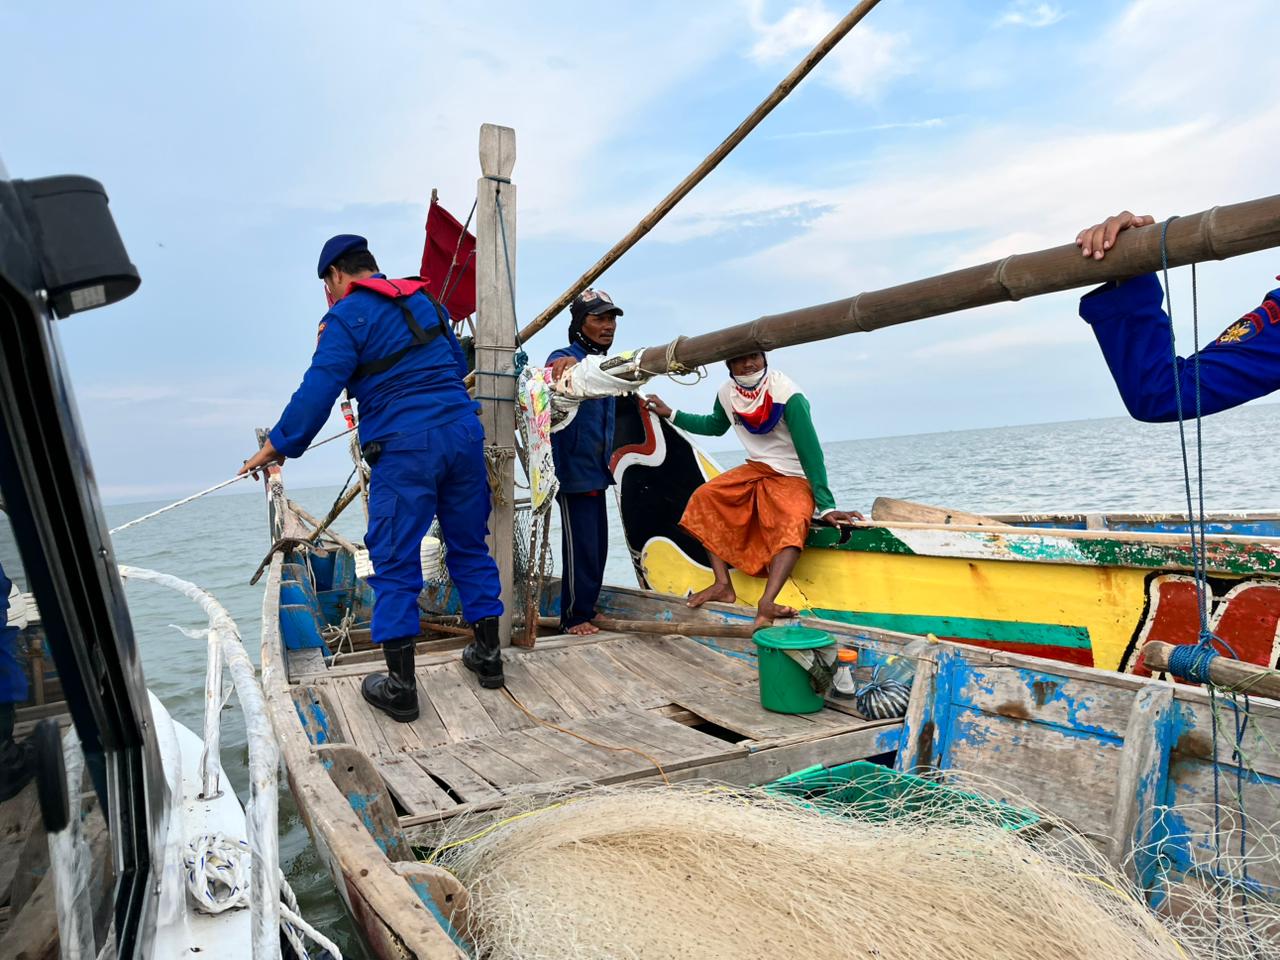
[(930, 124), (1030, 336), (1026, 13), (860, 66)]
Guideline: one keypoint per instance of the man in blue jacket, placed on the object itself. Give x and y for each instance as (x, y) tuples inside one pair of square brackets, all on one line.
[(392, 348), (1132, 329), (582, 452)]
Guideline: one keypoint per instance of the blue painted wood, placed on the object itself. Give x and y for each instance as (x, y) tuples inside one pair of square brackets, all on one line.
[(332, 605), (322, 568), (298, 627)]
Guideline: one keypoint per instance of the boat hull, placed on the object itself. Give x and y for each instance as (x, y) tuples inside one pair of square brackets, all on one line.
[(1089, 597)]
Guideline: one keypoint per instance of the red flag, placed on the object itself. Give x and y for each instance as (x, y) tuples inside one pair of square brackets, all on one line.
[(449, 262)]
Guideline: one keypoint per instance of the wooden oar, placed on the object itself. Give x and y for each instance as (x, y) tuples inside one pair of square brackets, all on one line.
[(1214, 234)]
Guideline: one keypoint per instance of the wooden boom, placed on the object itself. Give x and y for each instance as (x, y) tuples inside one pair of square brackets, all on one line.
[(1214, 234)]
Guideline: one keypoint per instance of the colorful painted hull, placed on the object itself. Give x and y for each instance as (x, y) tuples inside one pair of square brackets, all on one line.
[(1045, 586)]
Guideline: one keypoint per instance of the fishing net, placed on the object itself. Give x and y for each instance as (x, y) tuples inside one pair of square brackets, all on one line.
[(892, 872)]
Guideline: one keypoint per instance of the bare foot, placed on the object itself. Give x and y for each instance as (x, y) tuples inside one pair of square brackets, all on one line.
[(766, 613), (717, 591), (583, 629)]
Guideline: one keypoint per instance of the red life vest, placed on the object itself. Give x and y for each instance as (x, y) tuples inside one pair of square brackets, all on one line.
[(399, 291)]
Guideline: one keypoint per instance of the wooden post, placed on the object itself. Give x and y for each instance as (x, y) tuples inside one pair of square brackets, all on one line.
[(496, 342)]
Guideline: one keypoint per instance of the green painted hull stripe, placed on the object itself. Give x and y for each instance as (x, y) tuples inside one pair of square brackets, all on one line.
[(997, 631)]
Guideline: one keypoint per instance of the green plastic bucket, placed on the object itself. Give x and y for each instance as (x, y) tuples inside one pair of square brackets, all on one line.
[(784, 684)]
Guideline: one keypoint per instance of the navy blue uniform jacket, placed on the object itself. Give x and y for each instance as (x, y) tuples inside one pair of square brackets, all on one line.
[(583, 449), (422, 391), (1132, 328)]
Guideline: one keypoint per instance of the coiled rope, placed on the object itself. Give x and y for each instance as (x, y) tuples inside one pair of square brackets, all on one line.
[(218, 881)]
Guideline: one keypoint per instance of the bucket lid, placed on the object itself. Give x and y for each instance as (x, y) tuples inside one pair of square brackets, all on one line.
[(792, 638)]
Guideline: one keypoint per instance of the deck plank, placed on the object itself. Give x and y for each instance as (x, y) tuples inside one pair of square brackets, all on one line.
[(357, 717), (633, 687), (601, 693), (708, 661), (745, 716), (429, 727), (416, 791), (462, 780), (504, 773), (673, 674), (464, 716), (558, 686), (506, 716), (547, 762), (604, 763), (649, 688), (525, 688)]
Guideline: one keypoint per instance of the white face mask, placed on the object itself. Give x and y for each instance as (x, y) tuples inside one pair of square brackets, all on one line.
[(751, 383)]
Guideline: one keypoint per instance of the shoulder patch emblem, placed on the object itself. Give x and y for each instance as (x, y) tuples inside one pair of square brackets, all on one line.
[(1246, 328), (1272, 310), (320, 329)]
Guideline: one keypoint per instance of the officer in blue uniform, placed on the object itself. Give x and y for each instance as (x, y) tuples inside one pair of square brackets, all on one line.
[(16, 759), (1132, 329), (582, 452), (390, 345)]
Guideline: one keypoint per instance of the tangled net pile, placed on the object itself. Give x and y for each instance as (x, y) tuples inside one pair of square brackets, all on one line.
[(714, 872)]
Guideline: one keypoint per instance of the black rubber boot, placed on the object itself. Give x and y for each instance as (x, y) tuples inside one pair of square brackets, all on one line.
[(483, 655), (395, 692), (17, 760)]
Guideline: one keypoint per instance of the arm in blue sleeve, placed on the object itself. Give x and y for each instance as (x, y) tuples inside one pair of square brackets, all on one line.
[(1132, 329), (331, 368)]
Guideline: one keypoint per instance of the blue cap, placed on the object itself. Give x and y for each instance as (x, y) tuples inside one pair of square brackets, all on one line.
[(335, 247)]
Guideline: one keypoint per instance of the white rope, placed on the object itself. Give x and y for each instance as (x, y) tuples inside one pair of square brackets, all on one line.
[(218, 881), (173, 506), (209, 490)]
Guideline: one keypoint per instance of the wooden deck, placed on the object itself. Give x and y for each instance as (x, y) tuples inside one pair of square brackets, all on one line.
[(625, 707)]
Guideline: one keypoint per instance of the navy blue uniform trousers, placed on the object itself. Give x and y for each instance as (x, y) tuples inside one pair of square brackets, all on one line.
[(584, 541), (13, 679), (409, 489)]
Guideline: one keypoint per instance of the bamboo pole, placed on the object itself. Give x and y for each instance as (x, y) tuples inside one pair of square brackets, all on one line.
[(1226, 673), (1215, 234), (682, 189), (342, 504)]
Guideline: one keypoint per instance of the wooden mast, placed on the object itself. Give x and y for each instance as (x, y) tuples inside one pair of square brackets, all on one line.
[(496, 342), (1214, 234)]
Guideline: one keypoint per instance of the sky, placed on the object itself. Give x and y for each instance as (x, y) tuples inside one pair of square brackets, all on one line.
[(234, 138)]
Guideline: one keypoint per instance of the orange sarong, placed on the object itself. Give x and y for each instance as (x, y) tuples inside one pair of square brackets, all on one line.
[(747, 515)]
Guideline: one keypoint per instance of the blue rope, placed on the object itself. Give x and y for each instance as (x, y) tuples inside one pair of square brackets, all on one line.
[(1192, 661)]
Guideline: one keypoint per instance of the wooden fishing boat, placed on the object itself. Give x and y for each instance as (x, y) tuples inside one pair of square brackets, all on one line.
[(1101, 750), (669, 693), (1089, 589)]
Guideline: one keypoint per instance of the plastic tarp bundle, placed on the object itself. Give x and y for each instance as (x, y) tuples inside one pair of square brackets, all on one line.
[(591, 379), (536, 405)]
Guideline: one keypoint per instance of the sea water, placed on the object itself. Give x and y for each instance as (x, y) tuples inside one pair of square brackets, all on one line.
[(1092, 465)]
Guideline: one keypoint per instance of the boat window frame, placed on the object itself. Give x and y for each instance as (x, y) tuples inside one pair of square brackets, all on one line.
[(52, 503)]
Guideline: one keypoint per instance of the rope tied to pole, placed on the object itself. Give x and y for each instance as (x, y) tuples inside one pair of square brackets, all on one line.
[(1193, 661)]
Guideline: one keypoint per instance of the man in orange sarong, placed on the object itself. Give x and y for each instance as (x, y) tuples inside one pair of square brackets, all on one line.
[(755, 517)]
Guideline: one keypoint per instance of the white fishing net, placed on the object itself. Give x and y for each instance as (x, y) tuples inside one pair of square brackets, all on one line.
[(890, 869)]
